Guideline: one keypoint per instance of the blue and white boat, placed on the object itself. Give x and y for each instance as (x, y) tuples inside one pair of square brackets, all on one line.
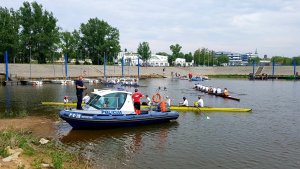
[(110, 109), (197, 78)]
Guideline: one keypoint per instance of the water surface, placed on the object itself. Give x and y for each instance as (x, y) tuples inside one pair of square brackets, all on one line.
[(269, 137)]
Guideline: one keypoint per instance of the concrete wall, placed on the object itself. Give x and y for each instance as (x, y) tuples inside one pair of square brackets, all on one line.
[(50, 71)]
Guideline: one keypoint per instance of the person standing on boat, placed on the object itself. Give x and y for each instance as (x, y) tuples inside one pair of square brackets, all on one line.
[(136, 97), (79, 90)]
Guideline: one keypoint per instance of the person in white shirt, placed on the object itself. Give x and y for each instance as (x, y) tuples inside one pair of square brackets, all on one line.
[(168, 101), (86, 98), (214, 90), (200, 102), (148, 100), (185, 102), (206, 89), (66, 100), (219, 91)]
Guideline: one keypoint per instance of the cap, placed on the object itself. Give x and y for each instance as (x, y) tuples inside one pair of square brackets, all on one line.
[(184, 98), (167, 96)]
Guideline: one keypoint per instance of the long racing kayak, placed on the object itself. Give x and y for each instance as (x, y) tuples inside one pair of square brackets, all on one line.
[(173, 107)]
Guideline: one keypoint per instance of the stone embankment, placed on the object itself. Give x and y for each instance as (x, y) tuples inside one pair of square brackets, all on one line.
[(48, 71)]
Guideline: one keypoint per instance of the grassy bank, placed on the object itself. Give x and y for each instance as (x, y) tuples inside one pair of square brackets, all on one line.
[(35, 154), (231, 76)]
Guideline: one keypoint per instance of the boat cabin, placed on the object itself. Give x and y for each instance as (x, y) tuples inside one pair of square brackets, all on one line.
[(116, 102)]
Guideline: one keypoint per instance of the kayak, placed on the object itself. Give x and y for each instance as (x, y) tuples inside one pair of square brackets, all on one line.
[(218, 109), (173, 107)]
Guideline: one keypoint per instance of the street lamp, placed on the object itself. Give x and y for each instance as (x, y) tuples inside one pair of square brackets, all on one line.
[(30, 59), (30, 52)]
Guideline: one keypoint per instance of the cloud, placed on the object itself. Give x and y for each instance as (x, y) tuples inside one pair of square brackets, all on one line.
[(231, 25)]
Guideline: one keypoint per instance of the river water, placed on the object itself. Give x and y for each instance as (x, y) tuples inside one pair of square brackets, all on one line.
[(268, 137)]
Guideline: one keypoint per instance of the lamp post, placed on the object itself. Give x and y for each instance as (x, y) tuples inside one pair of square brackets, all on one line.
[(104, 66), (30, 52), (30, 60)]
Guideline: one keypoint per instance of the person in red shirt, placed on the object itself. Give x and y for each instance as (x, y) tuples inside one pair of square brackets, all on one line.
[(136, 97)]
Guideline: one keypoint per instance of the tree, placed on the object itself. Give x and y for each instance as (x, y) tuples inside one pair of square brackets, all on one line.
[(203, 57), (162, 53), (98, 37), (39, 32), (255, 59), (68, 44), (144, 51), (222, 59), (188, 57), (9, 38), (175, 53)]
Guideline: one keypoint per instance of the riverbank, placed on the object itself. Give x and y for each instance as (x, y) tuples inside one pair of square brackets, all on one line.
[(28, 143), (48, 71)]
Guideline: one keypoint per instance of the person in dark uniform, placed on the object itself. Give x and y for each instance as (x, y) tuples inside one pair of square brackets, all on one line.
[(79, 90)]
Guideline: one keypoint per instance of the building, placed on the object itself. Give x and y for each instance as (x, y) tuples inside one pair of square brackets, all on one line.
[(158, 60), (132, 59), (237, 59), (179, 62)]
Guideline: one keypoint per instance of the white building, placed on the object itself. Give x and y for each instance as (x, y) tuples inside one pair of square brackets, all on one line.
[(179, 62), (235, 59), (158, 60), (132, 59)]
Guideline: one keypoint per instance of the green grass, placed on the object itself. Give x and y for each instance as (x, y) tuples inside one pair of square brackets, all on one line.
[(13, 114), (235, 76)]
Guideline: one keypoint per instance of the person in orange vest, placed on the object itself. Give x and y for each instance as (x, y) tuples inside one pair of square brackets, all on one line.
[(136, 97)]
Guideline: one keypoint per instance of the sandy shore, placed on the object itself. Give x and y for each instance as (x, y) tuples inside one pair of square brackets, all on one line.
[(39, 126), (58, 71)]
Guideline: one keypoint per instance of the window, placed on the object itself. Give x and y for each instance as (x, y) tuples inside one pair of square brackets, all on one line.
[(109, 101)]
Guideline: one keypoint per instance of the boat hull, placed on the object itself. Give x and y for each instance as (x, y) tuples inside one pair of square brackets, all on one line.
[(95, 121), (220, 95)]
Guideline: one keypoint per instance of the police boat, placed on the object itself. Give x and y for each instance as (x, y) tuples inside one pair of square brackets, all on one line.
[(110, 109)]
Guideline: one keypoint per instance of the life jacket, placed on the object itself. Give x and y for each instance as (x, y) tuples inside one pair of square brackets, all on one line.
[(163, 106)]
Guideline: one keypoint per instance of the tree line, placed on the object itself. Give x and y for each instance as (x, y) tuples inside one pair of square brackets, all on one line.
[(31, 32)]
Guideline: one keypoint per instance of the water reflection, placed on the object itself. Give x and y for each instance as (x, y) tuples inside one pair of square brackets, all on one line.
[(119, 145), (7, 101)]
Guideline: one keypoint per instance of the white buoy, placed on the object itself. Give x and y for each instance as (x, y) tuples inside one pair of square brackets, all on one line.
[(207, 117)]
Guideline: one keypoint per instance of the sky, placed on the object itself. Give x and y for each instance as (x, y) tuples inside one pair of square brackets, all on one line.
[(272, 27)]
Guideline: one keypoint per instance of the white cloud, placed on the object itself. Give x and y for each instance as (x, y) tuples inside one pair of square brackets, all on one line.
[(242, 26)]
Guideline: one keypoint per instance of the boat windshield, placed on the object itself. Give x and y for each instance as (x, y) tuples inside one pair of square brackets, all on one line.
[(114, 101)]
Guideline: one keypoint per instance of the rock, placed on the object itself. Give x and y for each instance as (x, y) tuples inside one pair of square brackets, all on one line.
[(43, 141), (12, 157), (47, 165), (13, 151)]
